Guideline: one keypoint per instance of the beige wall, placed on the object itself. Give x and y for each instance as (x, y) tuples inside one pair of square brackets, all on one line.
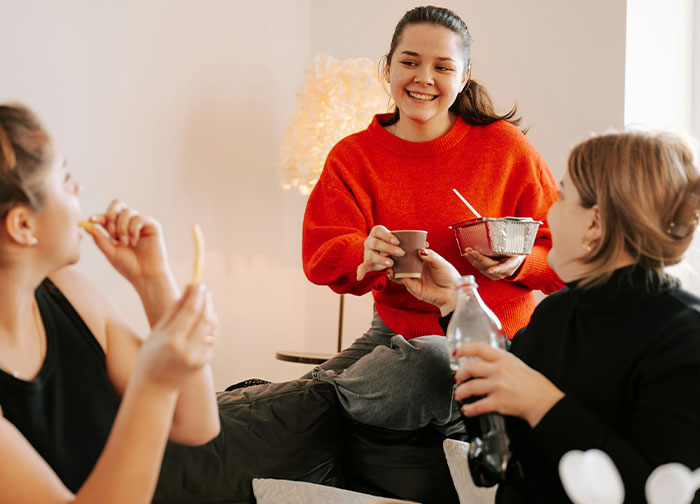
[(179, 107)]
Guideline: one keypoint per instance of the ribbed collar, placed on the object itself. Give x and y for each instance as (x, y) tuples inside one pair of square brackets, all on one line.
[(625, 287), (416, 149)]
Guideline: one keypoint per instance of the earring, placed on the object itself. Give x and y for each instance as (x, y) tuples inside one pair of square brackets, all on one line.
[(33, 241), (587, 245)]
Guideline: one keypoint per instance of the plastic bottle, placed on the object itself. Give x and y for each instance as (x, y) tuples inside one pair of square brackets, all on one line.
[(489, 446)]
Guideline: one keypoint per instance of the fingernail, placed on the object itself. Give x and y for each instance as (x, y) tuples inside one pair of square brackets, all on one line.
[(201, 287), (398, 252), (454, 352), (394, 241), (387, 262), (423, 252)]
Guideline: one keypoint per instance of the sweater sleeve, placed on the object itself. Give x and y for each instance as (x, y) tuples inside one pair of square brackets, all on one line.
[(538, 191), (664, 423), (333, 235)]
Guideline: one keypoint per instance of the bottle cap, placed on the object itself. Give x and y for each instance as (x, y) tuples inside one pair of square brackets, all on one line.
[(467, 281)]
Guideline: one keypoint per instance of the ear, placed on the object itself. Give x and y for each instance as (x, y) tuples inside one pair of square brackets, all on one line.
[(20, 226), (386, 73), (594, 232), (465, 78)]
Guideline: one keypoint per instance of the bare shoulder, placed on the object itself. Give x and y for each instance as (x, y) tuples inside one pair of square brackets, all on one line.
[(92, 306)]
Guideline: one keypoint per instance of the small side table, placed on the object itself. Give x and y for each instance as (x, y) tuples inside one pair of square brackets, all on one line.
[(303, 357)]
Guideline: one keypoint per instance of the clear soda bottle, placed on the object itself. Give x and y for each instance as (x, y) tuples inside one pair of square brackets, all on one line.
[(489, 446)]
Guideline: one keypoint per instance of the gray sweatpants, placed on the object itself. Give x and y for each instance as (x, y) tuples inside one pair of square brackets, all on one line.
[(384, 380)]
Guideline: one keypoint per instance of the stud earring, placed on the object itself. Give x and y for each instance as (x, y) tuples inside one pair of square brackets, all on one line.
[(33, 241), (587, 245)]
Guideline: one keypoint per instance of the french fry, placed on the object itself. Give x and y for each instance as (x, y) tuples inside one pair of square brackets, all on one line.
[(86, 225), (199, 250)]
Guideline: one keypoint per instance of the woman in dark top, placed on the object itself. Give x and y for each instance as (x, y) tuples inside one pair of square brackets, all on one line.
[(612, 361), (87, 405)]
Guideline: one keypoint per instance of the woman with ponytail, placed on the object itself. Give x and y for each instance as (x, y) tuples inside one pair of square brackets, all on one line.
[(86, 404), (399, 173)]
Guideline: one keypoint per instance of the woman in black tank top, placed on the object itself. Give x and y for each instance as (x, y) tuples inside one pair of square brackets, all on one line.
[(86, 405)]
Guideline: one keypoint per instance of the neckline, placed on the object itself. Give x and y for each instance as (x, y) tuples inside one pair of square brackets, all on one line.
[(417, 149), (625, 287), (45, 368)]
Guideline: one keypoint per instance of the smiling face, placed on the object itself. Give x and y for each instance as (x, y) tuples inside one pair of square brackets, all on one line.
[(426, 73)]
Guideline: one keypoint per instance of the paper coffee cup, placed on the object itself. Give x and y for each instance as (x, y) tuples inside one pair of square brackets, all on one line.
[(410, 265)]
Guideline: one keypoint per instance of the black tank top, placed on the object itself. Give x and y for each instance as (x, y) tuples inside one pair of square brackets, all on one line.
[(67, 411)]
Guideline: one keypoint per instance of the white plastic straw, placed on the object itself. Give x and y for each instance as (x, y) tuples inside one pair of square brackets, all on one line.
[(466, 203)]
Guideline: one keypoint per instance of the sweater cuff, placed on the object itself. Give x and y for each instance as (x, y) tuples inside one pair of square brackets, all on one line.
[(445, 321), (349, 262), (563, 428)]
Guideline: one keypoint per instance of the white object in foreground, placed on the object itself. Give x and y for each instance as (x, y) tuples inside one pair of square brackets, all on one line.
[(672, 484), (591, 477)]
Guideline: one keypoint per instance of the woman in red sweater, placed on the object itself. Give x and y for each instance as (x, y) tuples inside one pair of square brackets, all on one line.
[(399, 173)]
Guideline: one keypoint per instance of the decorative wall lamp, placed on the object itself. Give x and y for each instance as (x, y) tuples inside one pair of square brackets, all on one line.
[(337, 98)]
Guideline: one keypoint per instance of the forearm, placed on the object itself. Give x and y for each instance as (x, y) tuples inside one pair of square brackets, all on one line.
[(335, 264), (196, 419), (128, 469), (157, 295), (571, 425)]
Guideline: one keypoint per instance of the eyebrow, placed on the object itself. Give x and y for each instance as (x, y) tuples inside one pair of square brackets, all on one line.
[(441, 58)]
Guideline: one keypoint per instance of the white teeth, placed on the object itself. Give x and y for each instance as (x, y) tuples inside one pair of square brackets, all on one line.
[(421, 96)]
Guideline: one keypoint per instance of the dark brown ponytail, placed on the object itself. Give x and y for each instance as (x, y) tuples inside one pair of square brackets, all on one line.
[(476, 107), (474, 103)]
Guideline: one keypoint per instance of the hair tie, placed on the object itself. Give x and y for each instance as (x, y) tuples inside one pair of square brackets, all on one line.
[(688, 214)]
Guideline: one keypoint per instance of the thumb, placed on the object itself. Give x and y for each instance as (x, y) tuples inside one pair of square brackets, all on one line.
[(427, 255), (362, 270)]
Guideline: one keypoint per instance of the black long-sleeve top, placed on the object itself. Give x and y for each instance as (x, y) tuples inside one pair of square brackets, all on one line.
[(627, 357)]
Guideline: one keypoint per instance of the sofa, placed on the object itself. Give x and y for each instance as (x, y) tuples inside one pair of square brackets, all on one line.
[(296, 430)]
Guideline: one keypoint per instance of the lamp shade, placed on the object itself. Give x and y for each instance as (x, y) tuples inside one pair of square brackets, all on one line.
[(337, 98)]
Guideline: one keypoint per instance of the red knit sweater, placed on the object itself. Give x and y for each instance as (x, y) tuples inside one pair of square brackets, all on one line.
[(373, 177)]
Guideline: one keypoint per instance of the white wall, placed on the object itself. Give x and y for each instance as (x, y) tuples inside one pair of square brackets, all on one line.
[(662, 86), (659, 70), (179, 108)]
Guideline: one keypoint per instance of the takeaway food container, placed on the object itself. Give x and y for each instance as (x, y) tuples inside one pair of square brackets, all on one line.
[(497, 236)]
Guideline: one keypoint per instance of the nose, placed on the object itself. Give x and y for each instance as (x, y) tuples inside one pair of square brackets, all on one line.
[(424, 75)]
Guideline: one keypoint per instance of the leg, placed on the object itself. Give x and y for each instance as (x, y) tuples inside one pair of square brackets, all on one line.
[(377, 334)]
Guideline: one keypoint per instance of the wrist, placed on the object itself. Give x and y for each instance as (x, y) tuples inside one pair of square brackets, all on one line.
[(158, 293), (160, 286), (148, 385), (536, 414), (449, 305)]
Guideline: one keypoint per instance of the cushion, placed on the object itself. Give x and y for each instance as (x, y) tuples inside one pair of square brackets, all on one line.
[(284, 430), (456, 455), (273, 491)]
